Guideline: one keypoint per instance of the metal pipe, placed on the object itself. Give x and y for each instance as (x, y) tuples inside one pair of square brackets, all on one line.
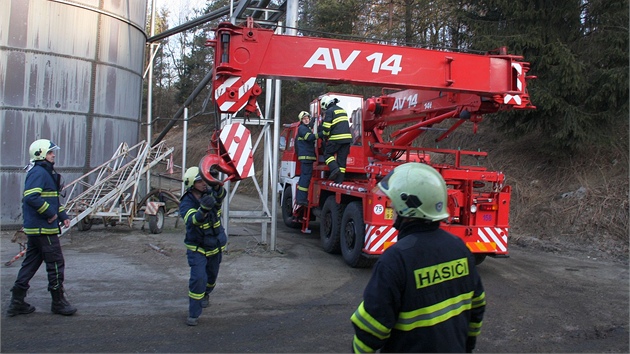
[(184, 145), (150, 94), (180, 111), (191, 24), (274, 176)]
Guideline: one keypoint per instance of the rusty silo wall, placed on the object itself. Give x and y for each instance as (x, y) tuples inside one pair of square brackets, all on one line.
[(71, 72)]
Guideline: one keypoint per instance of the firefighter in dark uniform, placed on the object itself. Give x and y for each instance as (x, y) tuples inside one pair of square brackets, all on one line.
[(200, 207), (425, 294), (43, 213), (336, 129), (305, 146)]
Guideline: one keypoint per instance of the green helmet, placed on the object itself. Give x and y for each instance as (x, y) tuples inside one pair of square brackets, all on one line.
[(39, 149), (191, 176), (416, 191), (303, 114), (326, 101)]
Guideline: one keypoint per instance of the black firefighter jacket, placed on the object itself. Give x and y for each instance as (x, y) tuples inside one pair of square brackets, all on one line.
[(425, 295)]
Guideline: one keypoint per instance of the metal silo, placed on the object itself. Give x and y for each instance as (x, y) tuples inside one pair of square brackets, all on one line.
[(71, 72)]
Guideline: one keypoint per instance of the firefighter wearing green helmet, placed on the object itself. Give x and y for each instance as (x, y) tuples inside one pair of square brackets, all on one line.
[(43, 216), (305, 146), (425, 294), (336, 129), (205, 240)]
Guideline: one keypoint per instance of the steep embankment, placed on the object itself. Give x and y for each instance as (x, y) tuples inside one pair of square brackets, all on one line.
[(565, 204)]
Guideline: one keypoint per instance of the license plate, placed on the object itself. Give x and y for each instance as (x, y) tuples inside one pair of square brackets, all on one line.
[(389, 213)]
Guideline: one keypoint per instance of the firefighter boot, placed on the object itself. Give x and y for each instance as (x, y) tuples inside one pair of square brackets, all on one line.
[(60, 305), (333, 166), (18, 306), (339, 178), (333, 174), (205, 301)]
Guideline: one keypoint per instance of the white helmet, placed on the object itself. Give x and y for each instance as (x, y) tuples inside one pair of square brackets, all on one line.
[(326, 101), (303, 114), (39, 149), (416, 191), (191, 176)]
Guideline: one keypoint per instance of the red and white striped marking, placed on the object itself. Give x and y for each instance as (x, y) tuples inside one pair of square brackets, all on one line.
[(237, 141), (152, 207), (344, 186), (516, 99), (379, 237), (235, 104), (497, 235)]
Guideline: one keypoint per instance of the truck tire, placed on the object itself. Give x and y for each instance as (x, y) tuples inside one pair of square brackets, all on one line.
[(156, 222), (353, 236), (287, 209), (330, 225)]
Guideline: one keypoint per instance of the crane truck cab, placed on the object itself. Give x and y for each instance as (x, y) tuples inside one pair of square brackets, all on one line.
[(290, 168)]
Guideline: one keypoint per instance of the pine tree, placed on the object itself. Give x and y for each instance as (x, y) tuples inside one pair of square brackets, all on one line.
[(579, 52)]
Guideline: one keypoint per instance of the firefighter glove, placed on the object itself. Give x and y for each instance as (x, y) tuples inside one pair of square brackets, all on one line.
[(207, 202)]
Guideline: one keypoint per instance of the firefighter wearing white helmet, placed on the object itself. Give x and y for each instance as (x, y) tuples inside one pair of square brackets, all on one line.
[(40, 148), (305, 146), (43, 215), (416, 191), (425, 294), (191, 176), (205, 240), (336, 128)]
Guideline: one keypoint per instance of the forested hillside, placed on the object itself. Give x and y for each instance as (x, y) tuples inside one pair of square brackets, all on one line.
[(567, 161)]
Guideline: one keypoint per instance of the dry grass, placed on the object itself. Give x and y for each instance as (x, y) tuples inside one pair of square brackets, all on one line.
[(579, 202)]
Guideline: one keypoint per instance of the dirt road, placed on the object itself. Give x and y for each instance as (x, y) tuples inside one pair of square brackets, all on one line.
[(133, 298)]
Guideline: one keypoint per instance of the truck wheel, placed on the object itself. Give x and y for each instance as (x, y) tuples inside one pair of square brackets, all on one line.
[(156, 222), (330, 224), (353, 236), (85, 224), (287, 209)]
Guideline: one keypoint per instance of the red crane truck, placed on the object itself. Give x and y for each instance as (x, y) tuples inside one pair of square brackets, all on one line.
[(434, 86)]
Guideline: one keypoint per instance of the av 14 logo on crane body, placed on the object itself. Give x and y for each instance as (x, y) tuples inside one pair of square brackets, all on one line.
[(407, 102), (331, 59)]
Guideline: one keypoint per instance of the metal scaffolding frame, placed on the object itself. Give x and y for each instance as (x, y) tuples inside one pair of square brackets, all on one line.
[(268, 138), (111, 189)]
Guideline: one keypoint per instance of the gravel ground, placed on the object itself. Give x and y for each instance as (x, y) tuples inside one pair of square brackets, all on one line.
[(130, 288)]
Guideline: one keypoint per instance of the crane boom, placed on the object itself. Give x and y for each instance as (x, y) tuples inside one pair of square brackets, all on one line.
[(244, 53)]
